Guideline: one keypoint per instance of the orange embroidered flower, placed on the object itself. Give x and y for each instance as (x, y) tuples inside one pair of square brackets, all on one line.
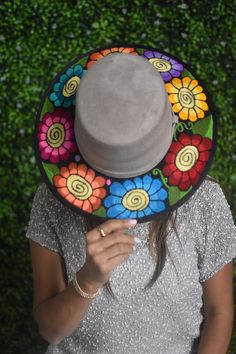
[(187, 98), (80, 187), (98, 55)]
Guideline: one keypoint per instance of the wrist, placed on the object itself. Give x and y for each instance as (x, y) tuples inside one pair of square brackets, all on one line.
[(86, 285)]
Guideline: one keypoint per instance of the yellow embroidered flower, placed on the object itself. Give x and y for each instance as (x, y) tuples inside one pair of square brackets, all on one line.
[(187, 98)]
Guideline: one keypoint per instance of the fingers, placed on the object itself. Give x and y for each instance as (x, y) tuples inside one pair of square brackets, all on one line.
[(110, 264), (120, 249), (114, 262), (115, 238), (111, 226)]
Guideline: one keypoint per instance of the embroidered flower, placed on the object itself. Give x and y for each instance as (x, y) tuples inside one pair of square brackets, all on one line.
[(98, 55), (167, 67), (134, 198), (65, 90), (56, 140), (186, 160), (187, 98), (79, 185)]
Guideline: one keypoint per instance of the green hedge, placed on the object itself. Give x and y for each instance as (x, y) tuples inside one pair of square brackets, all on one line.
[(37, 39)]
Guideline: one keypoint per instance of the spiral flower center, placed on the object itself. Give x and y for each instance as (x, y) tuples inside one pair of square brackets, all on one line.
[(56, 135), (71, 86), (186, 158), (79, 187), (186, 97), (160, 64), (136, 199)]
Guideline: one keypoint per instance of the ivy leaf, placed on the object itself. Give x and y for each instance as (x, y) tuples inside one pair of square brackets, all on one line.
[(185, 72), (100, 212), (204, 127), (140, 50), (51, 170), (47, 107), (82, 62), (175, 194)]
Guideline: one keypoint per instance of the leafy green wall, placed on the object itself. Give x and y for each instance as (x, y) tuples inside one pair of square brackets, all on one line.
[(37, 39)]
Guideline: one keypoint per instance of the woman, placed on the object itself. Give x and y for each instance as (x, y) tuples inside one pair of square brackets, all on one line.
[(165, 258)]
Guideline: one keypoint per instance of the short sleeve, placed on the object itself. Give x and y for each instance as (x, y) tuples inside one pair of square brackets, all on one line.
[(40, 227), (217, 246)]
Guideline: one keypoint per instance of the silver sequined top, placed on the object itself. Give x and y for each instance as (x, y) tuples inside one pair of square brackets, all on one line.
[(166, 318)]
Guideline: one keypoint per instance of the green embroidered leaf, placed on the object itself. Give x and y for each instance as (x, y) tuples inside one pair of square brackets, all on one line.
[(175, 194), (47, 107), (51, 170), (204, 127), (82, 62), (185, 72), (100, 212), (140, 50)]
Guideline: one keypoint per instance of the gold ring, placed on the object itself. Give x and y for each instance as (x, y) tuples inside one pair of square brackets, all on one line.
[(101, 231)]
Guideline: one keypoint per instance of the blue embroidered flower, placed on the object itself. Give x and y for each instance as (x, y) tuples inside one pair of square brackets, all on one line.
[(65, 90), (135, 198)]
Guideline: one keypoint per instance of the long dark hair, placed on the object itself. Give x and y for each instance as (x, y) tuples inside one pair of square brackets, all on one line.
[(156, 240)]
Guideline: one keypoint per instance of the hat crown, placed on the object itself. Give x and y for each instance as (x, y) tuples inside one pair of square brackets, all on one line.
[(123, 123)]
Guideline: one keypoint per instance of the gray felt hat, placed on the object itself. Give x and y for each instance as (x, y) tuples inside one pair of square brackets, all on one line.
[(124, 121), (125, 132)]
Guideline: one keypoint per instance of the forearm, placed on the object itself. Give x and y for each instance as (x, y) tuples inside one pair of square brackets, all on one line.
[(216, 334), (59, 316)]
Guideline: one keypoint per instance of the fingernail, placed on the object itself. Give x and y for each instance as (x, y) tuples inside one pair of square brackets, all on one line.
[(137, 240), (132, 222)]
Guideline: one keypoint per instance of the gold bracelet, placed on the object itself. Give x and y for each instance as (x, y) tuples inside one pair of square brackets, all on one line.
[(81, 292)]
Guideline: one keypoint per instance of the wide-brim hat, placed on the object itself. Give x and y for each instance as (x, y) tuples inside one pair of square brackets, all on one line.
[(125, 132)]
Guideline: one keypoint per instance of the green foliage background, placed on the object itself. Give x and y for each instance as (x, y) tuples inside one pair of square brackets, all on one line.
[(37, 39)]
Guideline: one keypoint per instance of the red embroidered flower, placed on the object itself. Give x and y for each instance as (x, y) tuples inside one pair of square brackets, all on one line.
[(186, 160), (98, 55)]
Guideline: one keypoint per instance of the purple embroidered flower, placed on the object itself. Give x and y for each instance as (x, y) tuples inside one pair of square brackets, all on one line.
[(167, 67)]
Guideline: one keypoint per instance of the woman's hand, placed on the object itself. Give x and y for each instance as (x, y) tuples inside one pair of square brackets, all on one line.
[(103, 254)]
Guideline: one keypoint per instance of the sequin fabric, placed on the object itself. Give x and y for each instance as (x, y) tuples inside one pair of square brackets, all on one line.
[(165, 319)]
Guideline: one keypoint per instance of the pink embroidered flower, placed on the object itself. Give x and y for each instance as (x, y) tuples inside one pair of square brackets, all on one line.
[(56, 140)]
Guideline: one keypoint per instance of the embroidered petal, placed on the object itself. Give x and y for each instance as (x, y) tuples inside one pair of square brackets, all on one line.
[(147, 180), (138, 182), (115, 210), (117, 189), (157, 206), (112, 200), (148, 211), (162, 194), (124, 215), (128, 184), (99, 181), (155, 186)]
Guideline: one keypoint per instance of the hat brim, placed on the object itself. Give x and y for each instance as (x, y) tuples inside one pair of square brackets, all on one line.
[(160, 190)]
